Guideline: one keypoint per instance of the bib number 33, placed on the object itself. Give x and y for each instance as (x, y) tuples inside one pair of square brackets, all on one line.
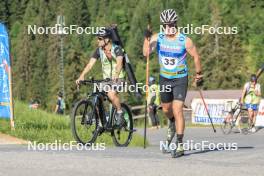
[(169, 62)]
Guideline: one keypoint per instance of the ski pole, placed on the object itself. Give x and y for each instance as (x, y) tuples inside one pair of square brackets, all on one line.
[(259, 72), (146, 101), (147, 83), (200, 91)]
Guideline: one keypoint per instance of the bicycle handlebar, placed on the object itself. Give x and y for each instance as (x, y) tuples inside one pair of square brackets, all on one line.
[(92, 81)]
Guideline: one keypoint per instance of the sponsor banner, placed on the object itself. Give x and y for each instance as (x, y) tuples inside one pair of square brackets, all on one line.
[(217, 108), (5, 108), (260, 116)]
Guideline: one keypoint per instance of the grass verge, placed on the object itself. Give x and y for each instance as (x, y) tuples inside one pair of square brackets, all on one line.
[(44, 127)]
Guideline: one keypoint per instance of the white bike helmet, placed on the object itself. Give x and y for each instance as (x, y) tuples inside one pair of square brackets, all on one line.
[(168, 16)]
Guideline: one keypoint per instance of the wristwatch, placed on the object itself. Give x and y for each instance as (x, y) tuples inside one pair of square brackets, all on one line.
[(199, 73)]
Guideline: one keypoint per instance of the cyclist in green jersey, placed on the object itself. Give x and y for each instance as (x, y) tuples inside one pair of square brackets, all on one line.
[(251, 96), (111, 57)]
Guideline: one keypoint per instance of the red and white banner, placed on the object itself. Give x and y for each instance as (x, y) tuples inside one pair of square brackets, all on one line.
[(260, 116)]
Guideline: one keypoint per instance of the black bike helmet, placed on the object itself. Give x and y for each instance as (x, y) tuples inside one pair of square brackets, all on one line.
[(105, 34), (253, 78), (168, 16)]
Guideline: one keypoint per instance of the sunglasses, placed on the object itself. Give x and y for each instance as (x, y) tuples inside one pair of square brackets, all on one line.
[(170, 25)]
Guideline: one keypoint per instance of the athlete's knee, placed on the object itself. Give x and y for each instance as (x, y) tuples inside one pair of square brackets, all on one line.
[(178, 112), (166, 107), (178, 108), (112, 95), (250, 112)]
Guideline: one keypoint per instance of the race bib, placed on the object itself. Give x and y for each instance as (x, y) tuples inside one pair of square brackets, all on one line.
[(169, 62)]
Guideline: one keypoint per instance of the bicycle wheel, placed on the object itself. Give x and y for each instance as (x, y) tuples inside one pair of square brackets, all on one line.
[(244, 125), (227, 126), (84, 122), (122, 137)]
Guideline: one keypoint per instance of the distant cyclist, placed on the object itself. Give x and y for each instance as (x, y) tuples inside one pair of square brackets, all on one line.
[(111, 57), (172, 48), (153, 102), (251, 96)]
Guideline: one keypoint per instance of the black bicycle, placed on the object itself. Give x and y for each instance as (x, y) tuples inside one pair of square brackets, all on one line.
[(237, 117), (90, 118)]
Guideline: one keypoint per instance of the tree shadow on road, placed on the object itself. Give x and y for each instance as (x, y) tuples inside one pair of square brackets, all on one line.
[(206, 150)]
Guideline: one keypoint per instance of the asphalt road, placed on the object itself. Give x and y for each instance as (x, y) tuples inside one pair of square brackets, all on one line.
[(246, 160)]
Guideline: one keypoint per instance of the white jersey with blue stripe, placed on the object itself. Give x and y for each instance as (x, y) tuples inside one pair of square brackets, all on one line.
[(172, 56)]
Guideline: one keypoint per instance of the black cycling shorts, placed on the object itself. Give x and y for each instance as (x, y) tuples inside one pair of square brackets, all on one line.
[(177, 91)]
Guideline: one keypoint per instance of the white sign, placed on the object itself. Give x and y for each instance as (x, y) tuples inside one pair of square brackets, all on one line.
[(217, 108), (260, 116)]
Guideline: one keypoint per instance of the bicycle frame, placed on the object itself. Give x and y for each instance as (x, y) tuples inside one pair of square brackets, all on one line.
[(234, 116), (232, 113), (98, 99), (96, 113)]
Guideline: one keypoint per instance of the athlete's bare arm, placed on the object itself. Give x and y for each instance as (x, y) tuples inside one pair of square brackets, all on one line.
[(88, 67), (191, 49), (243, 95)]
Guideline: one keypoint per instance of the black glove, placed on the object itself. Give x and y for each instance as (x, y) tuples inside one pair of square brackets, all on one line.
[(148, 33), (199, 82)]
